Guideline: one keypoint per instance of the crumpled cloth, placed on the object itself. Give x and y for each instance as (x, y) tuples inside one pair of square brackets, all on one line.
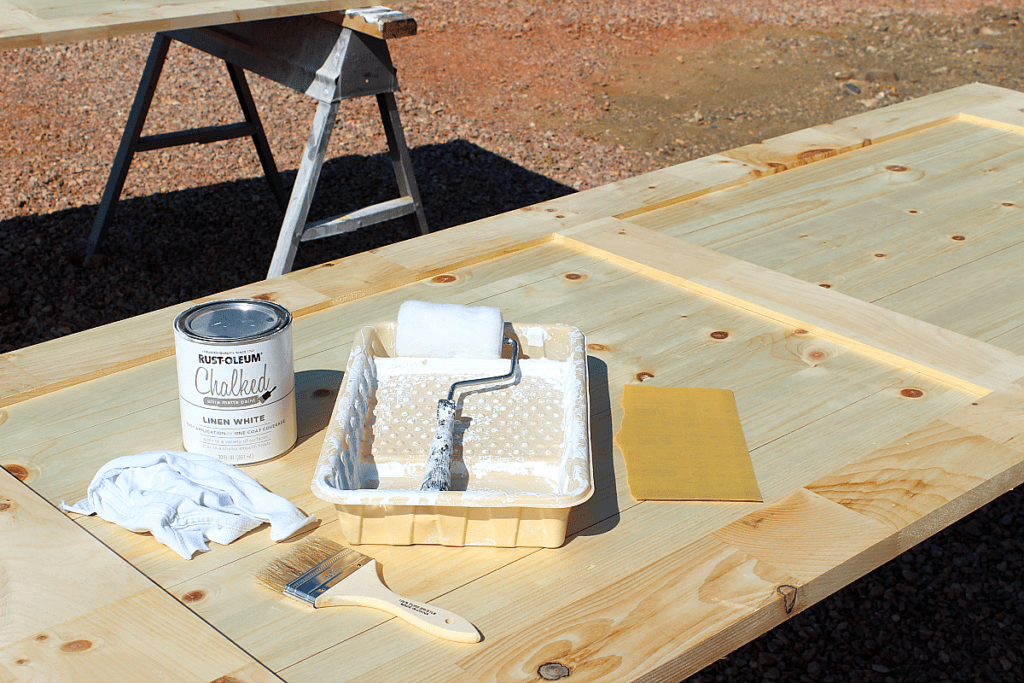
[(185, 500)]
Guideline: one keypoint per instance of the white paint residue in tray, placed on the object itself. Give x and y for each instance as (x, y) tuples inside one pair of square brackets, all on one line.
[(508, 436)]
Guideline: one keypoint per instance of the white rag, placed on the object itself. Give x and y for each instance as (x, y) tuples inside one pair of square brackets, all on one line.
[(183, 499)]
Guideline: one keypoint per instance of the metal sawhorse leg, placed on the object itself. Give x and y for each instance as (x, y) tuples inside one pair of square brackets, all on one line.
[(328, 57)]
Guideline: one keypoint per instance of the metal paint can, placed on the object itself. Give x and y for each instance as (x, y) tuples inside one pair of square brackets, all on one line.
[(236, 382)]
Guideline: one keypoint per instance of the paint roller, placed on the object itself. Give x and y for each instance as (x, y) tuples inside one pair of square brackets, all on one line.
[(427, 330)]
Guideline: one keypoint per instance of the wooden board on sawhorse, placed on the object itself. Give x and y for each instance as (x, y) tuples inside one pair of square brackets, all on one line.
[(329, 57)]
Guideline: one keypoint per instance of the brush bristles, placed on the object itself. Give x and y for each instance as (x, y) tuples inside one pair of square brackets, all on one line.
[(296, 562)]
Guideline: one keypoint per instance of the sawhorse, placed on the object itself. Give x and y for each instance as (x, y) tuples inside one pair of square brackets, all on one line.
[(329, 57)]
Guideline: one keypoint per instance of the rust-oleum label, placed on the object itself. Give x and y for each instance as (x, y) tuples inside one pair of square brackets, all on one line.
[(236, 382)]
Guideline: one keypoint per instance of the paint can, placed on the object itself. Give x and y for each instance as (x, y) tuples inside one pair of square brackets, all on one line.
[(236, 382)]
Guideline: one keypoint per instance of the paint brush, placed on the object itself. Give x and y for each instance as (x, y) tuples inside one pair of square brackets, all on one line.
[(325, 574)]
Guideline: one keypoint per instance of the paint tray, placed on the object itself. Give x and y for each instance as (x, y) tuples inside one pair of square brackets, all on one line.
[(522, 448)]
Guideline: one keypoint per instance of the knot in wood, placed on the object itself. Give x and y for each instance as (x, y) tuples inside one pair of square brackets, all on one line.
[(643, 376), (76, 646), (719, 334), (896, 168), (552, 671), (444, 279), (788, 593), (811, 154), (912, 393), (18, 471), (193, 596)]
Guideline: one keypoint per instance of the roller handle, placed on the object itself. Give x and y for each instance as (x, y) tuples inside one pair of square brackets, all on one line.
[(438, 474), (364, 587)]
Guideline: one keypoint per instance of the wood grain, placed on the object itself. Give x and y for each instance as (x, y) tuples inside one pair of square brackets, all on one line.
[(76, 611)]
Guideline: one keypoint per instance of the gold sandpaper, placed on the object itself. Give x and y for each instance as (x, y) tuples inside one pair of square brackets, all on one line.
[(685, 444)]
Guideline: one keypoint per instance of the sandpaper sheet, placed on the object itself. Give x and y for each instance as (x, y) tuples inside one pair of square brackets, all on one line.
[(685, 444)]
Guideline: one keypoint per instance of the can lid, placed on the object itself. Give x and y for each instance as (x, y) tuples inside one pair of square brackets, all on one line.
[(233, 319)]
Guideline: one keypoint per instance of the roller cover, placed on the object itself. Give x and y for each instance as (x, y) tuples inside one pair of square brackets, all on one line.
[(427, 330)]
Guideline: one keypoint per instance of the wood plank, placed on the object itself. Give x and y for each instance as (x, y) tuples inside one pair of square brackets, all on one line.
[(856, 417), (73, 609), (886, 231), (779, 536), (26, 23), (726, 218), (975, 298), (614, 290), (888, 336)]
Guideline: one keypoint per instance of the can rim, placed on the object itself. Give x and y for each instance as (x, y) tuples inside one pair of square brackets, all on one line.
[(182, 319)]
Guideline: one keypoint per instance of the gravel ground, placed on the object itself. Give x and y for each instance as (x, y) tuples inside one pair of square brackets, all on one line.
[(506, 107)]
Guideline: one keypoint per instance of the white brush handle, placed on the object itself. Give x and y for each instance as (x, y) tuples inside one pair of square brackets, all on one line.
[(364, 587)]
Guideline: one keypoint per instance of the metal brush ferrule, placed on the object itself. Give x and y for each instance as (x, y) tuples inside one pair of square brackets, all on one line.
[(310, 585)]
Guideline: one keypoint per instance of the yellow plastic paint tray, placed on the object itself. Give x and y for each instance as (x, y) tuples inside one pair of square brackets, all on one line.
[(522, 448)]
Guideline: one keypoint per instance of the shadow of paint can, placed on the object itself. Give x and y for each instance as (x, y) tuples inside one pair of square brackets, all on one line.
[(236, 381)]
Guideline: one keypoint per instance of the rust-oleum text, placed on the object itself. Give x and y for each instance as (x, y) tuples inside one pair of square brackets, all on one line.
[(230, 360)]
